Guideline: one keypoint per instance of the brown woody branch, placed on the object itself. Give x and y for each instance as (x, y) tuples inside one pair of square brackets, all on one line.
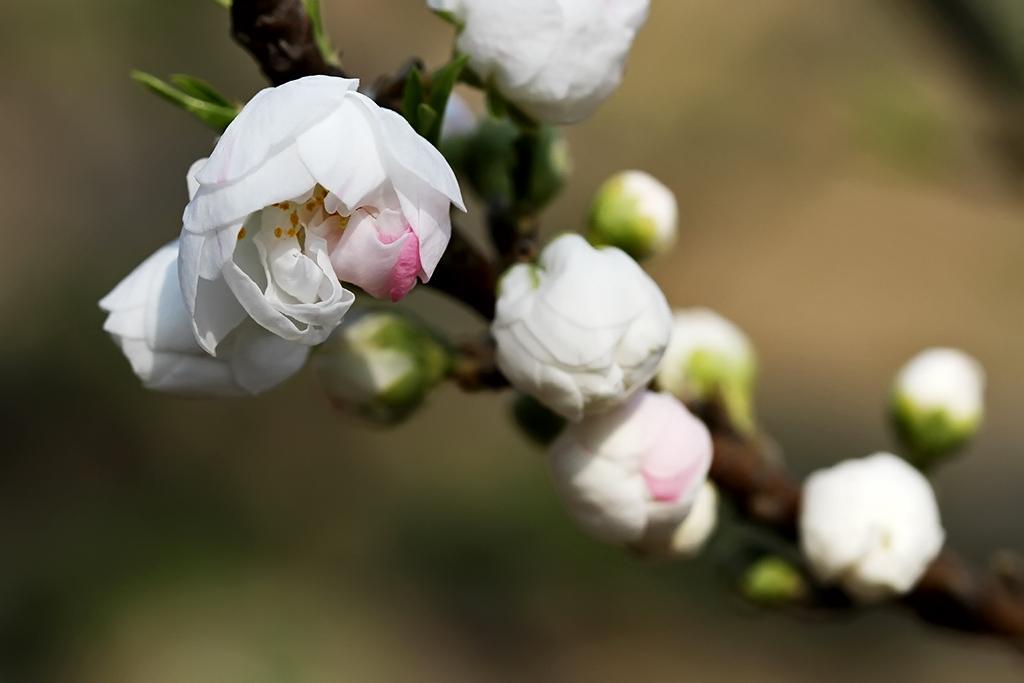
[(279, 36), (951, 593)]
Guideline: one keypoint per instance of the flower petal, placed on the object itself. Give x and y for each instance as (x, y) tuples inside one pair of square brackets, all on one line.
[(271, 119)]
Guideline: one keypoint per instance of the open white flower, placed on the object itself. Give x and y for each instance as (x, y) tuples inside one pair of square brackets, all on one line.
[(871, 524), (555, 59), (581, 331), (311, 183), (630, 476), (148, 320)]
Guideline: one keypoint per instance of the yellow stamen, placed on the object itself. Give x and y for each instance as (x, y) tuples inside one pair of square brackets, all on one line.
[(278, 232), (241, 234)]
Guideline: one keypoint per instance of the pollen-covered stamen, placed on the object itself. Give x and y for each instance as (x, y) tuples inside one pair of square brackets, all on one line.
[(282, 242)]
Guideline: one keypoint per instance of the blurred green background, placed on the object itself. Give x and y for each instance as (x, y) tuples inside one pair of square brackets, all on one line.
[(851, 187)]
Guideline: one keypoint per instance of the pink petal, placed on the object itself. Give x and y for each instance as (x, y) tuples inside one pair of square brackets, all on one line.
[(377, 256)]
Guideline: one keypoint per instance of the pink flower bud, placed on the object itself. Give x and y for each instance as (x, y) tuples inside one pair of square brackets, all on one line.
[(631, 475)]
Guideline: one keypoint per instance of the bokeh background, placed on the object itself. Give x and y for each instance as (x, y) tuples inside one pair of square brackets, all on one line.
[(851, 183)]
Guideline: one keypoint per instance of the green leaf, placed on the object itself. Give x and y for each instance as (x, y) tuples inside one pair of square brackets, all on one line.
[(496, 105), (323, 41), (427, 117), (226, 4), (441, 85), (412, 97), (200, 89), (215, 116), (450, 18)]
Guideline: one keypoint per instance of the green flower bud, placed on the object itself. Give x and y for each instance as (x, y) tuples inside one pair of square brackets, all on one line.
[(380, 365), (937, 403), (710, 359), (634, 212), (773, 581), (490, 160)]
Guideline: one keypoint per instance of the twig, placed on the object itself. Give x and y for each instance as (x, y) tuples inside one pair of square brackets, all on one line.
[(950, 594), (466, 275), (280, 37)]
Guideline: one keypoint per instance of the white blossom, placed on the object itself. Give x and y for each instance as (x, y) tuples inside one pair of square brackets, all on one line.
[(311, 183), (582, 330), (148, 320), (871, 524), (555, 59)]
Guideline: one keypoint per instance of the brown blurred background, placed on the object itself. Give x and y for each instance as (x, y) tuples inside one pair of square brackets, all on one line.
[(851, 183)]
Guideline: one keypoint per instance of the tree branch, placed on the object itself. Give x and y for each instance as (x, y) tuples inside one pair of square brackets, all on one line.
[(279, 36), (950, 594), (466, 275)]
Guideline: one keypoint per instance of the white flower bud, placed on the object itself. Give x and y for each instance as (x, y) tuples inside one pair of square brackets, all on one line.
[(631, 476), (380, 365), (871, 524), (634, 212), (938, 401), (557, 60), (709, 358), (582, 330)]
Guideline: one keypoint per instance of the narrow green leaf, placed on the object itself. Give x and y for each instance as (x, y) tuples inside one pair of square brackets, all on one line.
[(426, 116), (496, 105), (412, 97), (441, 85), (226, 4), (450, 18), (200, 89), (216, 116), (323, 41)]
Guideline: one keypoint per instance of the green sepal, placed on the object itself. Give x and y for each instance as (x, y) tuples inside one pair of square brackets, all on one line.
[(929, 436)]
